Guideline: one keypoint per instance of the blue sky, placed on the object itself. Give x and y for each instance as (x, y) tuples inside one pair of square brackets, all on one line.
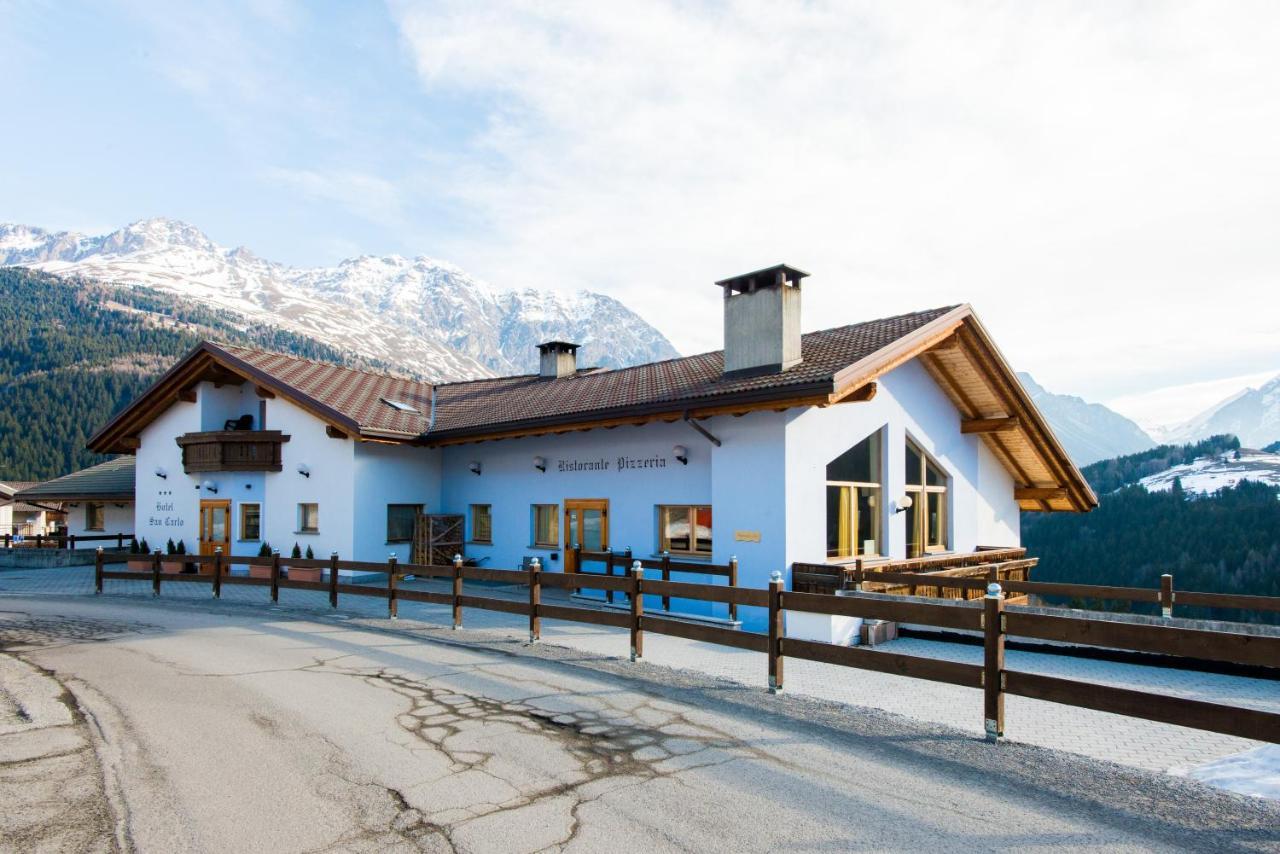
[(1101, 180)]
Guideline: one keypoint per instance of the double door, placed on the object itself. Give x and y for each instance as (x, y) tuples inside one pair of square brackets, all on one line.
[(586, 523)]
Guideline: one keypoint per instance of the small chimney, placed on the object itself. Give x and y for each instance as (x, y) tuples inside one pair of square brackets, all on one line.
[(762, 321), (557, 359)]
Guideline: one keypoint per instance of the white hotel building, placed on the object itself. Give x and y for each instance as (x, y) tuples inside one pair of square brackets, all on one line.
[(888, 438)]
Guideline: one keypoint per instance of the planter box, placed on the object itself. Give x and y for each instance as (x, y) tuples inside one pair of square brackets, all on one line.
[(824, 628), (140, 565), (875, 632), (256, 571), (298, 573), (172, 566)]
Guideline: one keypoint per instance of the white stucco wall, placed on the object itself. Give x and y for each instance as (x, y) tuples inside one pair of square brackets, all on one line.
[(391, 474), (167, 508), (117, 519)]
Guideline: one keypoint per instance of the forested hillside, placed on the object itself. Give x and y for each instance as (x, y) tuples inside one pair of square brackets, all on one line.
[(1227, 542), (72, 353)]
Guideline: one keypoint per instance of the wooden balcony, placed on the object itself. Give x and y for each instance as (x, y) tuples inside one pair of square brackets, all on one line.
[(232, 450)]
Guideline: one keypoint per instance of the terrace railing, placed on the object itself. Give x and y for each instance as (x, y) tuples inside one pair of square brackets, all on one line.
[(987, 617), (63, 540)]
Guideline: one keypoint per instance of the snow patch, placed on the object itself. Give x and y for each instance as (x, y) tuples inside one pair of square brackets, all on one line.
[(1254, 772)]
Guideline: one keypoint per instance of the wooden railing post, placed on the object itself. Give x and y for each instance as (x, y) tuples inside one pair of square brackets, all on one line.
[(275, 575), (97, 570), (775, 632), (1166, 595), (8, 540), (393, 604), (71, 542), (733, 582), (666, 576), (577, 565), (608, 570), (119, 541), (993, 662), (637, 610), (217, 573), (155, 573), (457, 591), (333, 579), (535, 599)]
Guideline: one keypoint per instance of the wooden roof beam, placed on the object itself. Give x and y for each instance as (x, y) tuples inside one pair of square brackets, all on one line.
[(990, 425), (1040, 493)]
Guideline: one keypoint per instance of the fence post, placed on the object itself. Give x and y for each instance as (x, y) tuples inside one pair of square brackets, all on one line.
[(217, 572), (97, 570), (733, 582), (666, 576), (1166, 595), (71, 542), (457, 591), (155, 573), (8, 539), (993, 662), (637, 610), (393, 604), (535, 599), (275, 575), (333, 579), (119, 541), (775, 632), (577, 565), (608, 570)]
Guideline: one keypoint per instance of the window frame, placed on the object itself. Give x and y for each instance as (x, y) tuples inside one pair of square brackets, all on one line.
[(471, 524), (301, 529), (240, 537), (873, 489), (919, 490), (664, 542), (417, 510), (89, 507), (554, 510)]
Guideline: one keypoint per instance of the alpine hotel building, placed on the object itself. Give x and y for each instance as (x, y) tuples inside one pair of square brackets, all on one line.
[(886, 438)]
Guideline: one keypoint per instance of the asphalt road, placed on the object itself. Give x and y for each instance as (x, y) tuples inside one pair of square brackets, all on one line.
[(232, 728)]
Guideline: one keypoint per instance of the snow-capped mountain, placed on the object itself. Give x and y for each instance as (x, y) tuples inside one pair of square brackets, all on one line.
[(1252, 415), (1209, 474), (1089, 431), (426, 316)]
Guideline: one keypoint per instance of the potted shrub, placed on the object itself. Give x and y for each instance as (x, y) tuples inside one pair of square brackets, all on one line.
[(140, 556), (173, 564), (263, 571), (299, 573)]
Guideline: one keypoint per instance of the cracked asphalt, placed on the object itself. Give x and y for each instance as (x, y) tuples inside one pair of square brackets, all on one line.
[(164, 726)]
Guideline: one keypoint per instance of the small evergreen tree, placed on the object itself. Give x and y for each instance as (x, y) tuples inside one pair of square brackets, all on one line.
[(297, 552), (144, 547), (265, 549), (133, 546), (182, 547), (170, 548), (310, 554)]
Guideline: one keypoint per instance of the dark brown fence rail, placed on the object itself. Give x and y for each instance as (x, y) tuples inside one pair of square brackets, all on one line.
[(622, 561), (63, 540), (988, 617)]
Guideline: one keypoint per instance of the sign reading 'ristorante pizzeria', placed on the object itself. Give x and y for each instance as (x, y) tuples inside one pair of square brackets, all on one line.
[(619, 464)]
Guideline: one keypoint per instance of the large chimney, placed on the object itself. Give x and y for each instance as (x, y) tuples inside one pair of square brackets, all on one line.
[(762, 321), (557, 359)]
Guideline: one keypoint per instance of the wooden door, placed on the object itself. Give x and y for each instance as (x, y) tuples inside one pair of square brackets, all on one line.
[(215, 527), (586, 524)]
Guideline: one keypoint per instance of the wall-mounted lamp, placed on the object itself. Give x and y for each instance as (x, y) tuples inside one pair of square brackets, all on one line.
[(474, 467), (903, 503), (210, 486), (540, 463), (304, 471), (681, 454), (161, 473)]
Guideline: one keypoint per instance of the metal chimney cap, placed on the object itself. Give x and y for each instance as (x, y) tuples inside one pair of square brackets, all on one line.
[(766, 278)]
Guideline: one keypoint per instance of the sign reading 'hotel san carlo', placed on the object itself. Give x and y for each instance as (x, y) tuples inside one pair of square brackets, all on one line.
[(616, 464), (165, 521)]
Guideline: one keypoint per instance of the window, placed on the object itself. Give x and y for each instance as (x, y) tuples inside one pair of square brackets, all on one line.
[(95, 516), (853, 501), (250, 521), (927, 515), (400, 521), (401, 406), (546, 524), (308, 518), (481, 523), (685, 529)]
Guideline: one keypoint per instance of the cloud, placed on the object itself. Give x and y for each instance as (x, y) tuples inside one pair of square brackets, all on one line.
[(370, 197), (1100, 180)]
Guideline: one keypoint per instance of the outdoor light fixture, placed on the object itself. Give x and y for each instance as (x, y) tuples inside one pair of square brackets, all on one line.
[(304, 471), (682, 454), (474, 467), (903, 503), (161, 473), (210, 486), (540, 463)]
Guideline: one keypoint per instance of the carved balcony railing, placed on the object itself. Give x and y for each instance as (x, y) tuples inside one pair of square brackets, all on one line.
[(232, 450)]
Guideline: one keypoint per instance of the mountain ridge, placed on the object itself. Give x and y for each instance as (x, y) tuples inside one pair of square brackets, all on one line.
[(1089, 431), (1252, 414)]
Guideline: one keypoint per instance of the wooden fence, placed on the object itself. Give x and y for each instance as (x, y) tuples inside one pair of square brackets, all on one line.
[(64, 540), (623, 561), (988, 617)]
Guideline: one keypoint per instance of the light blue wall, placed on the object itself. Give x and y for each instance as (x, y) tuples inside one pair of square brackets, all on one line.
[(391, 474)]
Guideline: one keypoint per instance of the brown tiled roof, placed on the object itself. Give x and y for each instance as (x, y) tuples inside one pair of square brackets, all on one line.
[(110, 480), (693, 381)]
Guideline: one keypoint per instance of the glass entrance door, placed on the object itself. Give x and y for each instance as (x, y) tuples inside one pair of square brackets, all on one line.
[(215, 527), (586, 523)]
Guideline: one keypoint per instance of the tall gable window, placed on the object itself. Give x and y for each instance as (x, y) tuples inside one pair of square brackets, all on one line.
[(854, 487), (927, 515)]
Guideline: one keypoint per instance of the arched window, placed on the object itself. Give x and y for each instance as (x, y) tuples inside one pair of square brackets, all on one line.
[(927, 515), (853, 501)]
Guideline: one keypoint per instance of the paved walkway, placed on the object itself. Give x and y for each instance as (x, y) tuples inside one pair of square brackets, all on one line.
[(1129, 741)]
